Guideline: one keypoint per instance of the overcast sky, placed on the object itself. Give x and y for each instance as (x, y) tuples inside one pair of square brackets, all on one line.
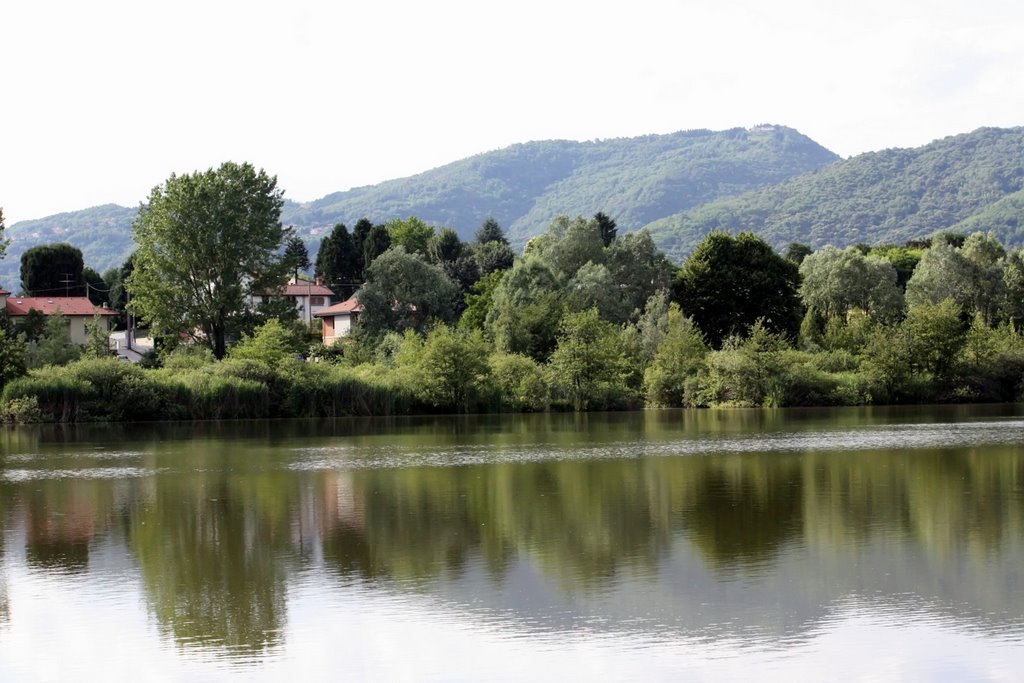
[(102, 100)]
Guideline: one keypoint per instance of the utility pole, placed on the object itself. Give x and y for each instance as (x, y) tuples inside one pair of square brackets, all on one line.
[(67, 283)]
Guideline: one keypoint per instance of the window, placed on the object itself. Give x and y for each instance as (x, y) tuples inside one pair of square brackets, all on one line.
[(316, 301)]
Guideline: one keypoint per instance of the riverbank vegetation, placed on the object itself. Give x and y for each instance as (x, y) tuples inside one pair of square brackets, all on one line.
[(583, 319)]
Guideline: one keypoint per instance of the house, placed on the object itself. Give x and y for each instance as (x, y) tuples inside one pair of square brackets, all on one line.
[(309, 297), (78, 311), (339, 319)]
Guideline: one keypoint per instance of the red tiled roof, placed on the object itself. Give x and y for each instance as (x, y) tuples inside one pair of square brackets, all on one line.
[(350, 305), (68, 305), (300, 289)]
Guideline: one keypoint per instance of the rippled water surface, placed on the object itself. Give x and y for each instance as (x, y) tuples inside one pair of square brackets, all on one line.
[(881, 544)]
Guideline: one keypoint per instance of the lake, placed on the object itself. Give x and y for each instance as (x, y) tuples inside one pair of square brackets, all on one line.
[(871, 543)]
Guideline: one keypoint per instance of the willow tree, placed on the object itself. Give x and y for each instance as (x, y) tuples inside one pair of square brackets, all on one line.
[(207, 241)]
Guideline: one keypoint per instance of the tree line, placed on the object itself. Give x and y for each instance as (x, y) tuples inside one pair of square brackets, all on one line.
[(582, 319)]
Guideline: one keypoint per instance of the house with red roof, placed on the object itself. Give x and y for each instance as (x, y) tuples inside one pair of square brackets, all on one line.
[(78, 311), (309, 297), (339, 319)]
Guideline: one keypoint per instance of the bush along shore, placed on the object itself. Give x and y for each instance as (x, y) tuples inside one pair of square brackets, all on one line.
[(933, 355)]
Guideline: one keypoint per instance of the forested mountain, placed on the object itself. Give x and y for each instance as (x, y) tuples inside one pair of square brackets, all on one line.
[(965, 183), (634, 180)]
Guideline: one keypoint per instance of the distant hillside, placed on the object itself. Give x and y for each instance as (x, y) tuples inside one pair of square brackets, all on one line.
[(634, 180), (965, 182)]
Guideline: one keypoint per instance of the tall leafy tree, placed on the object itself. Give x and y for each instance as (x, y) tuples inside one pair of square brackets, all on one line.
[(95, 287), (359, 233), (836, 280), (403, 291), (728, 283), (411, 233), (206, 241), (52, 270)]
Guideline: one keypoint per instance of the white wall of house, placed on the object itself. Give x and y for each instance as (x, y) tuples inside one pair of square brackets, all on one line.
[(77, 325)]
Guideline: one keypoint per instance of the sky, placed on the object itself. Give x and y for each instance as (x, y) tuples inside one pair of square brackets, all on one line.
[(103, 100)]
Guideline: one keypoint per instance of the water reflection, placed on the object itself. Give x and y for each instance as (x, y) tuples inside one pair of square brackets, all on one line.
[(498, 517)]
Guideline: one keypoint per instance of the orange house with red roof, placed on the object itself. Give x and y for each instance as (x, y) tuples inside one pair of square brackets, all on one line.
[(338, 319)]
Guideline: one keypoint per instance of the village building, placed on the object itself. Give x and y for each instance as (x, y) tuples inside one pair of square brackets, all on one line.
[(339, 319), (309, 297), (77, 310)]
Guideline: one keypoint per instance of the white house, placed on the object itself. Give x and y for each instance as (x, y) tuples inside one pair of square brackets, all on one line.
[(339, 319), (309, 297)]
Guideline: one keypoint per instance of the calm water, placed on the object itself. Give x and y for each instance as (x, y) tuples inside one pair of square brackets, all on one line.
[(797, 545)]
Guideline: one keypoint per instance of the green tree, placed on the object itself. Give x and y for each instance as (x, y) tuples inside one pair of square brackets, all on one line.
[(12, 356), (97, 338), (53, 346), (492, 256), (453, 368), (836, 280), (519, 381), (296, 257), (526, 310), (971, 275), (339, 260), (638, 269), (797, 252), (489, 232), (52, 270), (479, 300), (670, 380), (448, 251), (935, 333), (411, 233), (586, 366), (376, 242), (403, 291), (206, 241), (728, 283), (271, 344), (606, 228), (568, 245)]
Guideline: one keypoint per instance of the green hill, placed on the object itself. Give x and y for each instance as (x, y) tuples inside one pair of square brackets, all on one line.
[(965, 182), (634, 180)]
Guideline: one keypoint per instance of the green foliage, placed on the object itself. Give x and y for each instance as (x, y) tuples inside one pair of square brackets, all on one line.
[(188, 357), (97, 338), (638, 270), (729, 282), (296, 257), (606, 227), (411, 233), (479, 301), (376, 242), (568, 245), (837, 280), (12, 357), (971, 275), (489, 231), (453, 368), (206, 241), (527, 308), (339, 260), (52, 270), (746, 372), (53, 346), (587, 364), (519, 381), (670, 380), (935, 334), (271, 344), (403, 291), (492, 256), (879, 197)]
